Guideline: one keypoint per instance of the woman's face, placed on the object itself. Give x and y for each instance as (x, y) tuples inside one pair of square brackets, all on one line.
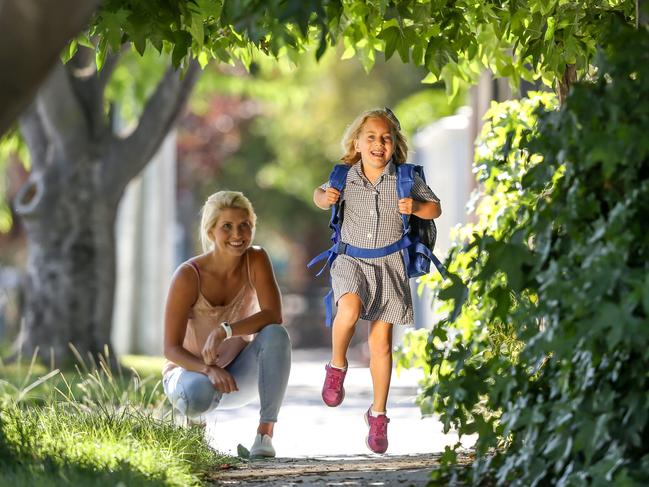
[(232, 232)]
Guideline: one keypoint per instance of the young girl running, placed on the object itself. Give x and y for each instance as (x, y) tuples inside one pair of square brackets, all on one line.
[(375, 289)]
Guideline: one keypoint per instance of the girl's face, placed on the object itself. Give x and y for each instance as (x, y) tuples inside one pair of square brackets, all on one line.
[(375, 143), (232, 232)]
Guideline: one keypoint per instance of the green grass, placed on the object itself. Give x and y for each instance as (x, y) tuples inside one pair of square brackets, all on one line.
[(136, 380), (90, 426)]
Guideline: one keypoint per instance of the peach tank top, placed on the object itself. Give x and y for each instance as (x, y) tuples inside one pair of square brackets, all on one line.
[(204, 317)]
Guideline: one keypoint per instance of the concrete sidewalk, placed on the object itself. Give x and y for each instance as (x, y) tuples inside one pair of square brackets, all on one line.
[(307, 428)]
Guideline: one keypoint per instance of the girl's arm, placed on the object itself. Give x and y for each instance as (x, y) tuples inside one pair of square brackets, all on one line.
[(424, 203), (323, 199), (183, 292), (426, 210)]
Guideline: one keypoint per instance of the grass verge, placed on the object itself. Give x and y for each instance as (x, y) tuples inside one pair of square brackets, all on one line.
[(92, 428)]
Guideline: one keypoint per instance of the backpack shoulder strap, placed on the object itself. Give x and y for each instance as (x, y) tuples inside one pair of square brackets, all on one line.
[(405, 180), (337, 180), (338, 176), (419, 171)]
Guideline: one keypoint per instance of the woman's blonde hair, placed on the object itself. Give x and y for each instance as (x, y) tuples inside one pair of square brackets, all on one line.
[(212, 209), (351, 156)]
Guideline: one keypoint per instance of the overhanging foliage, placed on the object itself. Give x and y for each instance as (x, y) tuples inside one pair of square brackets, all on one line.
[(545, 349), (454, 40)]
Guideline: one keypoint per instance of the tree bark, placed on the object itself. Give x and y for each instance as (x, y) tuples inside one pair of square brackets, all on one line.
[(69, 206), (567, 80), (642, 13), (70, 267), (32, 35)]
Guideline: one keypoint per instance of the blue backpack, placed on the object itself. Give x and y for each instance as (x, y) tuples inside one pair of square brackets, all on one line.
[(416, 243)]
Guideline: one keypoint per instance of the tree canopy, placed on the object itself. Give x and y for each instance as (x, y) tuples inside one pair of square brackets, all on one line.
[(454, 40)]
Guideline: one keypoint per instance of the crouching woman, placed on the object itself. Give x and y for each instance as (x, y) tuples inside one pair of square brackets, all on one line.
[(223, 338)]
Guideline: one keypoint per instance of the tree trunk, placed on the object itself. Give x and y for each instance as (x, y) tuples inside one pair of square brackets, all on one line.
[(567, 80), (641, 13), (70, 267), (80, 169), (32, 35)]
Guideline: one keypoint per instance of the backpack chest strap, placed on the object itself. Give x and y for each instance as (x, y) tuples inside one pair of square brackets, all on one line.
[(342, 248)]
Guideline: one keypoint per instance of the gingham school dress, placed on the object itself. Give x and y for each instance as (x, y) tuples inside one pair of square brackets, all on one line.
[(372, 220)]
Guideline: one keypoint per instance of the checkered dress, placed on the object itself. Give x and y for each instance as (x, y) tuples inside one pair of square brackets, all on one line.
[(372, 220)]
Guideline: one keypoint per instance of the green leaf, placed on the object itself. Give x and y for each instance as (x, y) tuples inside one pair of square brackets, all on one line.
[(101, 53), (458, 292), (112, 24), (203, 59), (139, 41), (196, 30), (449, 457), (549, 32), (84, 41), (322, 46), (70, 51), (183, 41), (645, 296), (391, 37), (242, 451), (208, 8)]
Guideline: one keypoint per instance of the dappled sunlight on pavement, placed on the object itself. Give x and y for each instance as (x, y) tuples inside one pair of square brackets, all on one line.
[(308, 428)]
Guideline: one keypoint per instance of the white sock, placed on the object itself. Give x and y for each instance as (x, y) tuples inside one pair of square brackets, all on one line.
[(376, 413), (339, 368)]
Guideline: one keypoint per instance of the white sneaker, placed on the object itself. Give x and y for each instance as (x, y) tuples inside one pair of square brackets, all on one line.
[(262, 447)]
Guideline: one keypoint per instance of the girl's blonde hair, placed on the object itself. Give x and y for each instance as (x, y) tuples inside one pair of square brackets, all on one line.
[(351, 156), (212, 209)]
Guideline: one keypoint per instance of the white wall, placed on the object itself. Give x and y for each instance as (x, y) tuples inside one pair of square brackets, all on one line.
[(145, 233), (444, 148)]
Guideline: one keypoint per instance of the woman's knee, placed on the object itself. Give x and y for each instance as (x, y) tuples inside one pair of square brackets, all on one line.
[(274, 335), (197, 395)]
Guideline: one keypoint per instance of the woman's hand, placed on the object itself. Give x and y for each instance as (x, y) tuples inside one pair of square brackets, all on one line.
[(221, 379), (210, 349)]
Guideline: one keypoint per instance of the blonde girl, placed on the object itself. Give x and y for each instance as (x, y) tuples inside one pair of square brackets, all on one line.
[(375, 289)]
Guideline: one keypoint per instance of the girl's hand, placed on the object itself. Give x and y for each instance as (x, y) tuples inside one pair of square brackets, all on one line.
[(408, 206), (214, 339), (221, 379), (332, 195)]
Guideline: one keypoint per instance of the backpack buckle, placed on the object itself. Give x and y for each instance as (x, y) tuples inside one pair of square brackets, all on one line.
[(341, 248)]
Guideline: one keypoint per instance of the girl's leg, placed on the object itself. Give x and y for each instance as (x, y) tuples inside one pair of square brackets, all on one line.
[(349, 309), (262, 370), (380, 344)]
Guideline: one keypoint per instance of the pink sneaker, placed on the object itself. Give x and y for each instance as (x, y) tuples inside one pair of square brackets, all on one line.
[(377, 438), (333, 391)]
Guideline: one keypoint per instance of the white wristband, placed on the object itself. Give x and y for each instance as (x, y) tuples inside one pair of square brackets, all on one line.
[(228, 329)]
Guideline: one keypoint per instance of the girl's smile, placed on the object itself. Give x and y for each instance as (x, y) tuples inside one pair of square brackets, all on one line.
[(375, 143)]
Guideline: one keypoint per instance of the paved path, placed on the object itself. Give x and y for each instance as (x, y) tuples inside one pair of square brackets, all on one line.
[(406, 470), (319, 445)]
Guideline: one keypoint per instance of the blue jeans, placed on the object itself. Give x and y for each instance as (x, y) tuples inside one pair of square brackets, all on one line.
[(260, 370)]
